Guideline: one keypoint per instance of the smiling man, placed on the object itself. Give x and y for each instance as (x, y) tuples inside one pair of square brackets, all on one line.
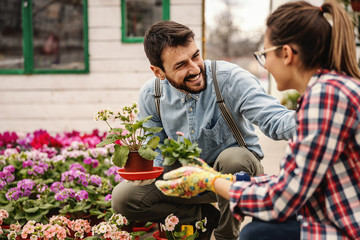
[(188, 104)]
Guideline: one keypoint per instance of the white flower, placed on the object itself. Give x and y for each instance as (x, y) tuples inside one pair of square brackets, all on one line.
[(102, 229), (33, 237)]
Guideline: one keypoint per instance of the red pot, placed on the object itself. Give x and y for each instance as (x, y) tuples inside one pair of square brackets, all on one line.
[(157, 236), (355, 5), (136, 163)]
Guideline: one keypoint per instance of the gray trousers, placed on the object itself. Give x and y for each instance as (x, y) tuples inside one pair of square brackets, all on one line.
[(147, 203)]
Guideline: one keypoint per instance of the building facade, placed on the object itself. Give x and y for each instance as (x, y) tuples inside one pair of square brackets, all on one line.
[(44, 88)]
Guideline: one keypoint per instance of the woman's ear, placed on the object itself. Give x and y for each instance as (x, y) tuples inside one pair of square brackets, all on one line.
[(158, 72), (288, 54)]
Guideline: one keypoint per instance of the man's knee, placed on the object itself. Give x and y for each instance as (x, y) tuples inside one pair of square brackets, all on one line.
[(237, 159), (118, 197)]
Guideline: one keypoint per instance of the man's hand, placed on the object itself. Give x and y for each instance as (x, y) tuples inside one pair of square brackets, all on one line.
[(141, 182), (190, 180)]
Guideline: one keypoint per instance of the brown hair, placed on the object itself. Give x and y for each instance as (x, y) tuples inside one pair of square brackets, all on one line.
[(327, 43), (162, 35)]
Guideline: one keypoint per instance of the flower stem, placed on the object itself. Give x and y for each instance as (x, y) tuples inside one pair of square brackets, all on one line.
[(108, 125)]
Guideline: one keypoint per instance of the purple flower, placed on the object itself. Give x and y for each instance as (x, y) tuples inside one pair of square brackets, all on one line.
[(7, 176), (88, 160), (2, 184), (26, 184), (77, 166), (95, 179), (71, 192), (61, 196), (10, 177), (9, 168), (108, 197), (112, 171), (13, 194), (118, 178), (28, 163), (57, 187), (81, 195), (31, 172), (95, 163), (41, 187), (39, 170), (85, 183), (65, 194)]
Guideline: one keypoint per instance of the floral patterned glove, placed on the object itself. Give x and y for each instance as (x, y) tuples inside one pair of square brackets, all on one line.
[(190, 180)]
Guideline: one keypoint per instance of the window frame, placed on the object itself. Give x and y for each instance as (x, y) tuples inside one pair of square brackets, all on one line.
[(124, 38), (27, 42)]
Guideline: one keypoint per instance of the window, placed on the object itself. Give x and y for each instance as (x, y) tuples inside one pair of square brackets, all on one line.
[(43, 36), (139, 15)]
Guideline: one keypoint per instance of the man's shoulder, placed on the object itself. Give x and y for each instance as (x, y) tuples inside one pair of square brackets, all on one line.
[(221, 65), (229, 73), (148, 86)]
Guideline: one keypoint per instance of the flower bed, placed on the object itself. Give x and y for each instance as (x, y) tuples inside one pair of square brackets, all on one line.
[(58, 184)]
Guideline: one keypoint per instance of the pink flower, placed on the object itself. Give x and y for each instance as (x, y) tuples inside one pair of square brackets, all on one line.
[(180, 133), (174, 220), (170, 226), (170, 222)]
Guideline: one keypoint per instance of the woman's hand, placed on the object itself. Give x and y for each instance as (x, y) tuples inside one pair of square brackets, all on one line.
[(190, 180)]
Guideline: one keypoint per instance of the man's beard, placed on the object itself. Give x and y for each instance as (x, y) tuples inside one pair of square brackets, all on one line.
[(182, 86)]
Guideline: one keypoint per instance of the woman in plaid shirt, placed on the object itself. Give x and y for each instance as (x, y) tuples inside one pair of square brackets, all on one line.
[(317, 193)]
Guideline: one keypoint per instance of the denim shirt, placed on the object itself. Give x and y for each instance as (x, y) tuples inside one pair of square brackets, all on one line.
[(199, 117)]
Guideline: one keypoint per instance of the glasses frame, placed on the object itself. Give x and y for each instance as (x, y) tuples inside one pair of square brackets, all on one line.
[(259, 54)]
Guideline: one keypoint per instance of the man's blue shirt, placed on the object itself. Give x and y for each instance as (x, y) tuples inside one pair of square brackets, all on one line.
[(199, 117)]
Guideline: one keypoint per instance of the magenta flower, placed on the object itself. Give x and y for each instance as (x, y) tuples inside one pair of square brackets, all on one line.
[(94, 179), (26, 184), (87, 161), (57, 187), (9, 168), (81, 195), (95, 163), (108, 197)]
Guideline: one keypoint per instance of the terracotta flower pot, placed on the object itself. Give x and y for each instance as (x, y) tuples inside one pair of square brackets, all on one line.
[(136, 163)]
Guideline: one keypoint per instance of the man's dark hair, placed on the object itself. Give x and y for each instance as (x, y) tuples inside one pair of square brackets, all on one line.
[(162, 35)]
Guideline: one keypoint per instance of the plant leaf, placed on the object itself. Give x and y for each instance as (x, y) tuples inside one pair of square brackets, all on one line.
[(153, 142), (95, 211), (153, 129), (105, 142), (147, 153), (120, 155), (31, 210)]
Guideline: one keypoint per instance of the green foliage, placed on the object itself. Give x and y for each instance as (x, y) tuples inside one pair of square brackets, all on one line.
[(290, 99), (183, 151)]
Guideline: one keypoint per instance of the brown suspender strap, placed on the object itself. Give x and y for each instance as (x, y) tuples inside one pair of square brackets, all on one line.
[(225, 112), (157, 96)]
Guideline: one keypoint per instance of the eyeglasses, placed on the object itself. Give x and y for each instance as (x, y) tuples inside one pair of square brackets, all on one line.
[(261, 55)]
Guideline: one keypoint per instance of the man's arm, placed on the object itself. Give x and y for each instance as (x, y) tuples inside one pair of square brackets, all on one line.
[(248, 98)]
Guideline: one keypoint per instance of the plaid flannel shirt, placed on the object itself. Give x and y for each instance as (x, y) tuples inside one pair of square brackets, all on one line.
[(319, 177)]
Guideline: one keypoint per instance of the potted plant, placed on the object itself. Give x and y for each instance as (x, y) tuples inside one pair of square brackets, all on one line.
[(131, 140), (179, 152)]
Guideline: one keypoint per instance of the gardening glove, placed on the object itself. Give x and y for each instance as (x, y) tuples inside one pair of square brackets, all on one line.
[(141, 182), (190, 180)]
